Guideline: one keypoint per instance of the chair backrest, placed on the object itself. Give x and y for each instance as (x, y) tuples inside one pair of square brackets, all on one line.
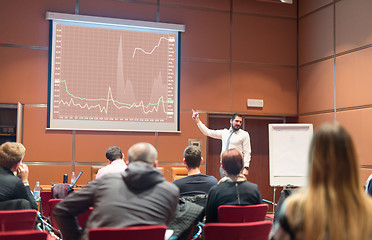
[(94, 171), (52, 203), (239, 214), (24, 235), (82, 218), (45, 197), (17, 220), (155, 232), (238, 231), (178, 172)]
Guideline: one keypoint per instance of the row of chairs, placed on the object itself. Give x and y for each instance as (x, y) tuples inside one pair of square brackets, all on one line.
[(236, 222), (19, 224), (212, 231), (240, 222), (258, 230)]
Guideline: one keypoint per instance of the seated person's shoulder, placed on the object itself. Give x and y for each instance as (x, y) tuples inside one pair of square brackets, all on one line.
[(212, 178), (171, 189), (170, 185)]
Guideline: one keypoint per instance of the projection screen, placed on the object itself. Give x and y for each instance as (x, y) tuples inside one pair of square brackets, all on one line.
[(113, 74)]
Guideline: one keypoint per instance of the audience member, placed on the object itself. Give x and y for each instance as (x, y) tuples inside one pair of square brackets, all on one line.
[(233, 189), (138, 196), (116, 159), (196, 182), (368, 185), (194, 191), (333, 205), (14, 187)]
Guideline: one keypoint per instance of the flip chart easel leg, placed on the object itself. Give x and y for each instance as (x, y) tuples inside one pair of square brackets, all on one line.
[(274, 199)]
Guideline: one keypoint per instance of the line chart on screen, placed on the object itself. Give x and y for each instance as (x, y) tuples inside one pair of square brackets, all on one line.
[(103, 78)]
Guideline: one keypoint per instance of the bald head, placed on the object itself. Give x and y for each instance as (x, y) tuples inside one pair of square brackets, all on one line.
[(143, 152)]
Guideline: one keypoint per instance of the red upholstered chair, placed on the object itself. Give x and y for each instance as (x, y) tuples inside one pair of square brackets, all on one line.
[(24, 235), (17, 220), (82, 218), (52, 203), (45, 197), (239, 214), (237, 231), (270, 216), (155, 232)]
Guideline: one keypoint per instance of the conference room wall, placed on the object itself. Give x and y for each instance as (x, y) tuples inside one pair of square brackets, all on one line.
[(306, 7), (316, 119), (24, 75), (358, 123), (316, 86), (315, 35), (47, 174), (42, 145), (275, 84), (204, 85), (23, 22), (353, 25), (206, 33), (213, 79), (344, 66), (144, 11), (253, 43), (353, 75), (265, 8)]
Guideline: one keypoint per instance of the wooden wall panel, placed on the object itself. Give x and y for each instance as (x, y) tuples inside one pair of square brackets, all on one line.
[(305, 6), (210, 4), (264, 40), (364, 174), (275, 85), (23, 22), (24, 75), (85, 178), (172, 145), (316, 35), (207, 33), (316, 87), (317, 120), (44, 145), (353, 24), (265, 8), (354, 83), (119, 9), (46, 174), (91, 146), (358, 123), (204, 86)]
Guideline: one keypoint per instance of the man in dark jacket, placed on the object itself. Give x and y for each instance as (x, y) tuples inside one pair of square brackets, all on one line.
[(15, 192), (138, 196)]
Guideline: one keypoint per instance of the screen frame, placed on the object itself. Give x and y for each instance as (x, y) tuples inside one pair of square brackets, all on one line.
[(111, 23)]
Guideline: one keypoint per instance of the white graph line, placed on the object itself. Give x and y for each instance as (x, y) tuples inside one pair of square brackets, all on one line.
[(156, 46), (110, 99)]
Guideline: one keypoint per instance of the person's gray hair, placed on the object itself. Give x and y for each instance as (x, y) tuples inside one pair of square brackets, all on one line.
[(143, 152)]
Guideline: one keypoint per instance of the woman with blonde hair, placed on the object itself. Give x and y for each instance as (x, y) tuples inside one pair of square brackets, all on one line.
[(333, 205)]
